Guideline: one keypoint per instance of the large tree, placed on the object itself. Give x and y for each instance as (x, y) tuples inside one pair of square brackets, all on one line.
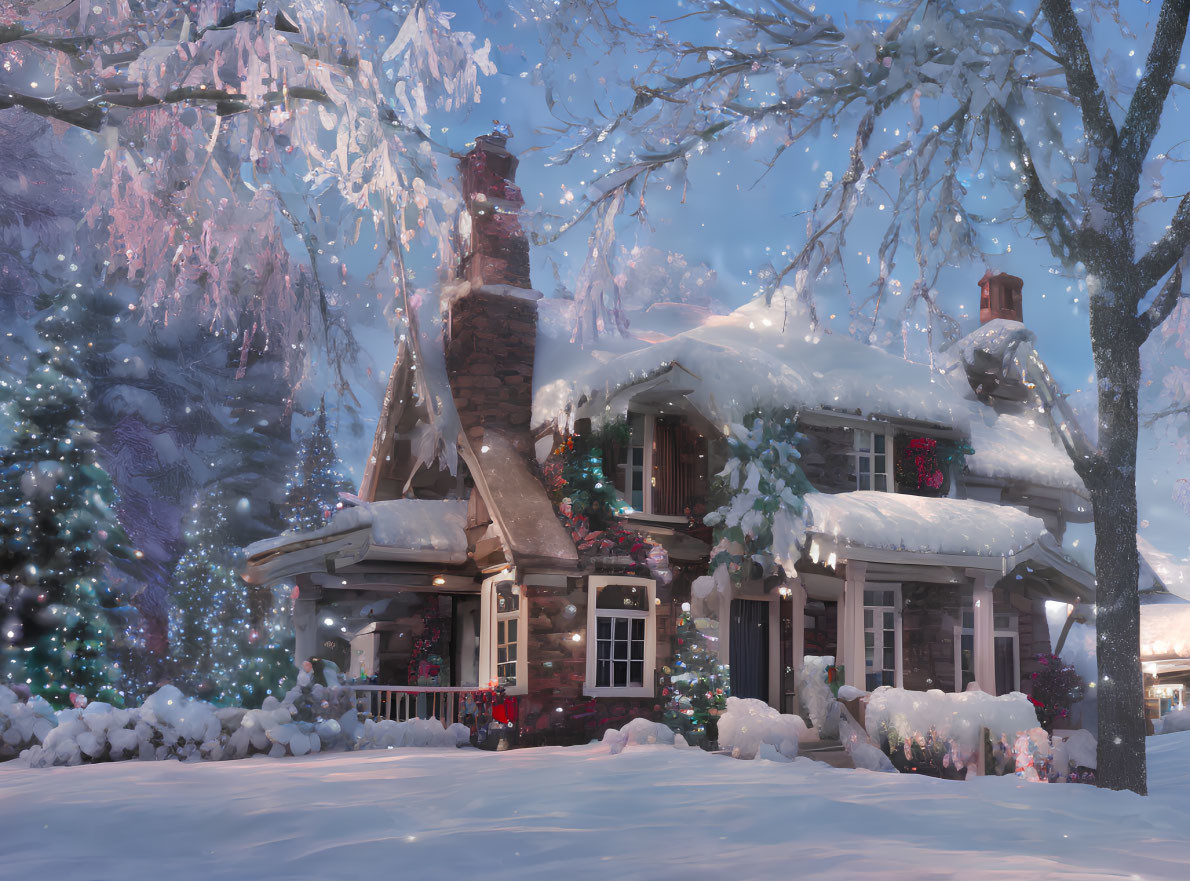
[(263, 173), (974, 123)]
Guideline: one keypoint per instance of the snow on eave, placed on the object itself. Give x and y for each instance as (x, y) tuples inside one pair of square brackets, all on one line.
[(916, 524), (1170, 573), (759, 356), (405, 530)]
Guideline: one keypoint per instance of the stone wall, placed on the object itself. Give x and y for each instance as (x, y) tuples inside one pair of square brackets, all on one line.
[(556, 712)]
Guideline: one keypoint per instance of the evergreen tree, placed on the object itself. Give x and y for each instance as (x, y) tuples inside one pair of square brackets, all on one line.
[(225, 650), (59, 531), (313, 491), (698, 682)]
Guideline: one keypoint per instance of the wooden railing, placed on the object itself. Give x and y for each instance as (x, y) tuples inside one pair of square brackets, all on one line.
[(403, 702)]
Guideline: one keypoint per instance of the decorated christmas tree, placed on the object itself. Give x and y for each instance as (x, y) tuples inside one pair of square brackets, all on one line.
[(697, 692), (59, 532), (225, 649), (313, 492)]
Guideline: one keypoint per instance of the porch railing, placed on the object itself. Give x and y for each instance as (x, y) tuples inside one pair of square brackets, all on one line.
[(403, 702)]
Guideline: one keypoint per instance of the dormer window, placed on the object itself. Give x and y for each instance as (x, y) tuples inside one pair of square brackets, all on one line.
[(660, 465), (871, 460)]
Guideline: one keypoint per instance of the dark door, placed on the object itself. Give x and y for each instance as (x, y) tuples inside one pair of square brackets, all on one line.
[(750, 649)]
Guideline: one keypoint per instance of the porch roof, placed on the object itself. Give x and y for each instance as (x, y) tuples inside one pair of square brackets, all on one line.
[(403, 530), (915, 524)]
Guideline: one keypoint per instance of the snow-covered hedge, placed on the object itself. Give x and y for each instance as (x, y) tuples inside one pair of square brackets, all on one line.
[(22, 723), (315, 716), (1178, 720), (815, 695), (641, 731), (752, 729)]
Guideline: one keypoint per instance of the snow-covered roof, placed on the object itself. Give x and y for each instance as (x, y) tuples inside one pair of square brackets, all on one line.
[(1165, 630), (758, 356), (890, 521), (1018, 447), (1174, 573), (399, 529), (766, 356)]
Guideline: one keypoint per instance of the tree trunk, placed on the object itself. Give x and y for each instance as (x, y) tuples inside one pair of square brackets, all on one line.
[(1111, 480)]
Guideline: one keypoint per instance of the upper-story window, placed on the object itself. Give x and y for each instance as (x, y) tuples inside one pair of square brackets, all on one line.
[(871, 460), (660, 465)]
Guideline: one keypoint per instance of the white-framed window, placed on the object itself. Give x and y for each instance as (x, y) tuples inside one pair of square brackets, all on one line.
[(1006, 651), (621, 636), (504, 622), (882, 636), (873, 453)]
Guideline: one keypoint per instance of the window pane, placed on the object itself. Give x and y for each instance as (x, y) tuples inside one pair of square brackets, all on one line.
[(603, 628), (870, 598), (603, 674), (890, 661), (501, 655), (621, 625), (626, 597), (863, 440), (637, 673), (620, 678), (620, 650), (869, 640), (638, 628), (638, 649), (867, 617), (512, 630), (508, 597), (512, 652), (888, 620), (879, 445), (603, 649), (881, 483), (864, 480), (872, 681)]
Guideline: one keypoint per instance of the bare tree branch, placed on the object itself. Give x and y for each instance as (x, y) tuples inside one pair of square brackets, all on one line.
[(1153, 266), (1046, 211), (1080, 74), (1148, 101), (1163, 304)]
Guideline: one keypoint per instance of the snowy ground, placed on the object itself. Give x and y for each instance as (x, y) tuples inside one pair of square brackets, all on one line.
[(651, 812)]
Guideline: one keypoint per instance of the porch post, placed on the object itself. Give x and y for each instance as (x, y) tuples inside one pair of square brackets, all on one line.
[(984, 649), (305, 624), (774, 649), (798, 597), (852, 630)]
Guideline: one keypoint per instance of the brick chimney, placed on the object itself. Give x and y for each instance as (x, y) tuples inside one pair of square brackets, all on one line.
[(1000, 297), (493, 322)]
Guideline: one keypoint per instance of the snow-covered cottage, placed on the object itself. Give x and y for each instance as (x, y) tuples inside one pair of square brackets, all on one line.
[(923, 560)]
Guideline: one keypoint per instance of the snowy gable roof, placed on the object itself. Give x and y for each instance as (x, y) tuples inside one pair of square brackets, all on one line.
[(889, 521), (1173, 573), (759, 356)]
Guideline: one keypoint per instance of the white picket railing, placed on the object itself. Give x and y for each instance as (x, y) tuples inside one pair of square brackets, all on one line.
[(402, 702)]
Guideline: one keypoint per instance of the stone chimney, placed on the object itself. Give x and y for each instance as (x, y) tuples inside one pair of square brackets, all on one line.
[(1000, 297), (492, 331)]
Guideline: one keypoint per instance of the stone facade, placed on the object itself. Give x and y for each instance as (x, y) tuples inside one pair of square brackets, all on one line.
[(489, 358)]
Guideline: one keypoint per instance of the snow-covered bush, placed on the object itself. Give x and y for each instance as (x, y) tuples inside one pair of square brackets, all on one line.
[(22, 723), (936, 733), (752, 729), (641, 731), (318, 715), (1178, 720)]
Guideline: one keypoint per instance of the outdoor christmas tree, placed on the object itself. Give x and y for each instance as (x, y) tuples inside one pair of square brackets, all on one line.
[(313, 491), (219, 653), (59, 530), (697, 692)]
